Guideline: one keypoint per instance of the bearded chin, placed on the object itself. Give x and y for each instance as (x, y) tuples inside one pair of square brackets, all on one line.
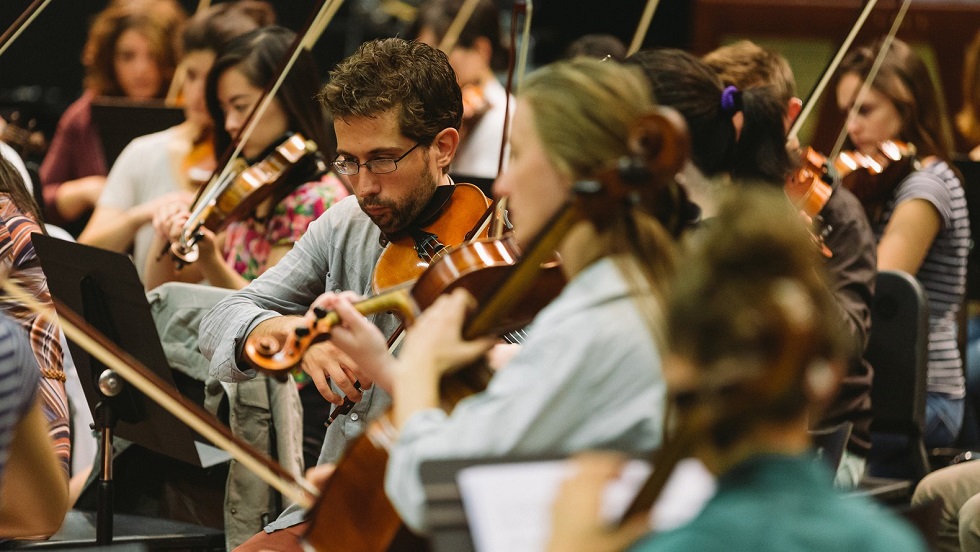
[(403, 215)]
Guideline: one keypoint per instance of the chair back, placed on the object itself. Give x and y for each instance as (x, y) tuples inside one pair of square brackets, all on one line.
[(898, 352)]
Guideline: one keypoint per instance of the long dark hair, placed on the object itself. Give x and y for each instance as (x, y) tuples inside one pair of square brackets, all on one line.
[(258, 55), (682, 81), (904, 79), (211, 28)]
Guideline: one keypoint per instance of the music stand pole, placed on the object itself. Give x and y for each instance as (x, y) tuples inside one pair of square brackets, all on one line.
[(110, 385)]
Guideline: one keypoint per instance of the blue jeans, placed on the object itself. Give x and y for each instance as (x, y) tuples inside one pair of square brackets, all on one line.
[(944, 418), (973, 356), (890, 452)]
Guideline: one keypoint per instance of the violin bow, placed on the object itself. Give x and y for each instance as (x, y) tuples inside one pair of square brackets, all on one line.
[(21, 23), (817, 91), (314, 28), (455, 28), (527, 8), (886, 45), (142, 378), (643, 27)]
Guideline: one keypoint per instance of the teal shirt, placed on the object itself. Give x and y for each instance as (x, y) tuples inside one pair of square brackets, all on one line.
[(782, 503)]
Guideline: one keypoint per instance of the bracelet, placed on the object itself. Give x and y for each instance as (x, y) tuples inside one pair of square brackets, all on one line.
[(49, 373)]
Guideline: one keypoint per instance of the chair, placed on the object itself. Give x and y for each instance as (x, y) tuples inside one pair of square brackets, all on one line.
[(898, 351), (830, 442)]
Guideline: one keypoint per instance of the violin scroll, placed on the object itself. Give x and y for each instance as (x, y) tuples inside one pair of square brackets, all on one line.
[(267, 354), (659, 146)]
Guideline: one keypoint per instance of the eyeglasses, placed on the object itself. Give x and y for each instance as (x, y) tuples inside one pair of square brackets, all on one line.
[(376, 166)]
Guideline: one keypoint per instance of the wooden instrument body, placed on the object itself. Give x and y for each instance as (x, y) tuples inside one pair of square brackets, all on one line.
[(404, 259)]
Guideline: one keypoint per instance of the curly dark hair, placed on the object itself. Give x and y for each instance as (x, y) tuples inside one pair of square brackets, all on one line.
[(157, 20), (394, 73)]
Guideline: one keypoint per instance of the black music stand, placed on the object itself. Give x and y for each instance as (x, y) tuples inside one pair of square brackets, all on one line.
[(104, 288), (120, 120)]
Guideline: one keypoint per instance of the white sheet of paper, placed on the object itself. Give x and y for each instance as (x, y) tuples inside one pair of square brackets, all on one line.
[(508, 506)]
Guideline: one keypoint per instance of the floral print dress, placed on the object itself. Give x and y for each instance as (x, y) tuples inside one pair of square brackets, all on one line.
[(248, 242)]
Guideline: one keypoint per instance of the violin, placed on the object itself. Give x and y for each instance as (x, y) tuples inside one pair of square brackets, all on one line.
[(26, 140), (407, 255), (475, 106), (810, 188), (237, 195), (199, 163), (872, 178)]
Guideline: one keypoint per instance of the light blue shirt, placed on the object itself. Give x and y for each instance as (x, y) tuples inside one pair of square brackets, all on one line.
[(587, 377), (338, 252)]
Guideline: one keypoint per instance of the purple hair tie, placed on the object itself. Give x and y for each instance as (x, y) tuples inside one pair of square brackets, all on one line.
[(731, 100)]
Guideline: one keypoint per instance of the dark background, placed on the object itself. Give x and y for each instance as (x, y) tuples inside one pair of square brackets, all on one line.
[(41, 72)]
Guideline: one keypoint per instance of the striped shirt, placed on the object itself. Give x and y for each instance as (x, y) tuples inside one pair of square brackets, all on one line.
[(943, 272), (18, 260), (18, 382)]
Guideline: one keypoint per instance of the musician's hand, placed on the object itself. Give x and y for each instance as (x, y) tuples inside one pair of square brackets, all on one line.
[(208, 251), (147, 212), (323, 362), (318, 475), (435, 343), (501, 354), (164, 216), (576, 522), (359, 338)]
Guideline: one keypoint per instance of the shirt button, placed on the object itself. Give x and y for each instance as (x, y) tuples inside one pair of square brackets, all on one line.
[(234, 511), (354, 417)]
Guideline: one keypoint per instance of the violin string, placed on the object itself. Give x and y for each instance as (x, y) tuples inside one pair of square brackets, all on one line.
[(869, 80)]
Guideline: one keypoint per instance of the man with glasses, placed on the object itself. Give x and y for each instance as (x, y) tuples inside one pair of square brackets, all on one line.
[(396, 109)]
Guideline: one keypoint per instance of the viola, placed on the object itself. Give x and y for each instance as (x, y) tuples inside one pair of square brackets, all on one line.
[(199, 163), (408, 254), (475, 106), (26, 140), (872, 178), (810, 188), (237, 195), (477, 266)]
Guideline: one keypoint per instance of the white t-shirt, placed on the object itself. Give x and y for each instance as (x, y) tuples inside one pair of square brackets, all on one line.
[(479, 152), (141, 173)]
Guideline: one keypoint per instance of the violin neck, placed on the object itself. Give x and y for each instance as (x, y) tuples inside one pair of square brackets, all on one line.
[(398, 300), (511, 291)]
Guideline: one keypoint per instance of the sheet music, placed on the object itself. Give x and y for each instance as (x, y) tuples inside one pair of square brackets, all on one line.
[(508, 506)]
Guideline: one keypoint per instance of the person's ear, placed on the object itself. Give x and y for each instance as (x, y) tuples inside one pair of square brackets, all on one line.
[(793, 108), (444, 147)]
